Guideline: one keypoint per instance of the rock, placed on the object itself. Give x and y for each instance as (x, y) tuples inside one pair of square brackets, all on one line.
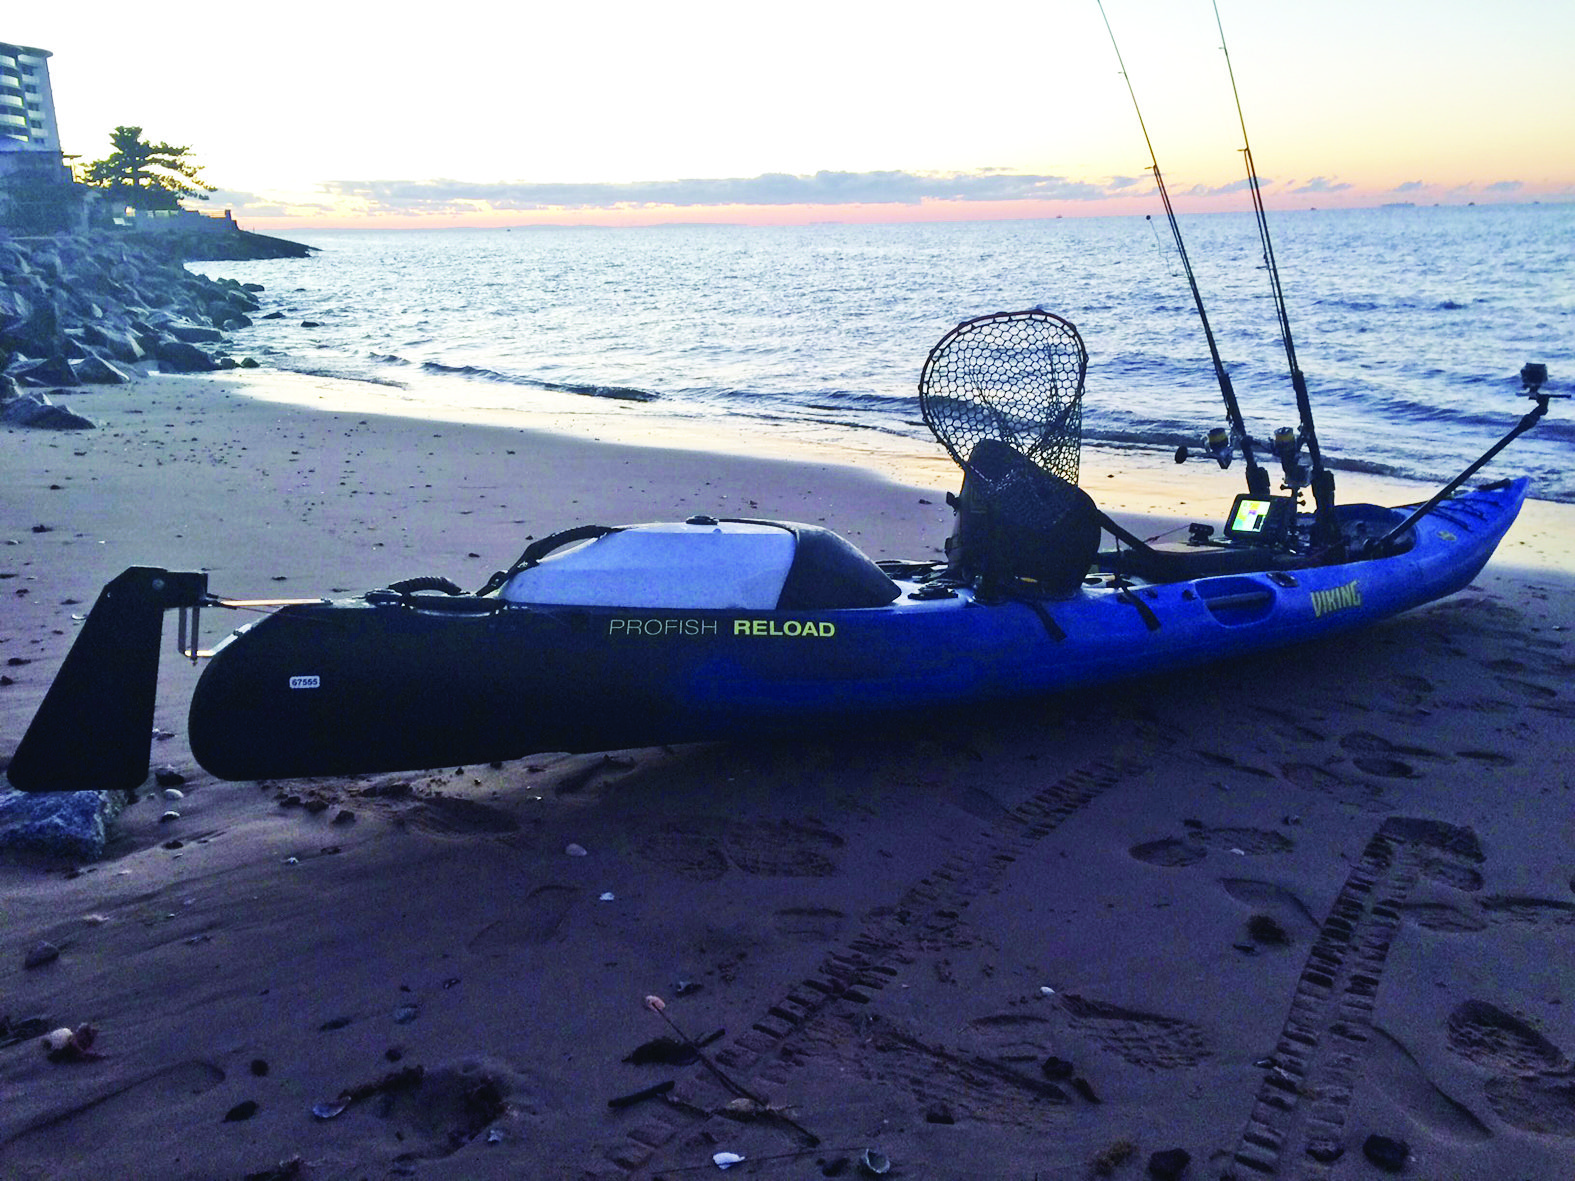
[(36, 410), (1324, 1150), (1056, 1068), (939, 1113), (1169, 1164), (1387, 1153), (43, 953), (248, 363), (94, 370), (118, 343), (43, 373), (69, 824), (168, 777), (194, 333), (176, 356)]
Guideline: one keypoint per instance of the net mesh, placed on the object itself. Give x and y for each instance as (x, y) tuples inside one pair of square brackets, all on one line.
[(1015, 377)]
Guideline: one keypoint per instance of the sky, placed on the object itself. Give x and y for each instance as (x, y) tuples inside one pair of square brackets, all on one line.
[(346, 114)]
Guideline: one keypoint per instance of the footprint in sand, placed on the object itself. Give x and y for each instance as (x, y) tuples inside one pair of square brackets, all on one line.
[(1169, 853), (693, 852), (1534, 912), (1252, 841), (1357, 793), (1017, 1038), (1216, 759), (1143, 1039), (782, 849), (1532, 1090), (534, 922), (1537, 1104), (980, 1088), (1288, 726), (1487, 1036), (1376, 755)]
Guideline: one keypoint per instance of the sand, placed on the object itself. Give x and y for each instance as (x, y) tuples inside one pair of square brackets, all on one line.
[(1253, 910)]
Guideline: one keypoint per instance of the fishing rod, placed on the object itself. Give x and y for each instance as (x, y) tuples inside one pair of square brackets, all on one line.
[(1257, 475), (1326, 526)]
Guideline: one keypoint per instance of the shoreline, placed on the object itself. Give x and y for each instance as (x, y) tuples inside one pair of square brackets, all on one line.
[(897, 930)]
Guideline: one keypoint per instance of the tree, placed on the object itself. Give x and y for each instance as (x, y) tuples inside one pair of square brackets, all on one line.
[(146, 175)]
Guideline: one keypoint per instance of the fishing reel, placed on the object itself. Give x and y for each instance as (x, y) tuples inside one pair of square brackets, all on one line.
[(1287, 448), (1217, 445)]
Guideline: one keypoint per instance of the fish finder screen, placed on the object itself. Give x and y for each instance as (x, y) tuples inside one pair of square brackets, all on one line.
[(1250, 518), (1260, 520)]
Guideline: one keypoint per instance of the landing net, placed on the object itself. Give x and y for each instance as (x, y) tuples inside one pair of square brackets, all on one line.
[(1016, 377)]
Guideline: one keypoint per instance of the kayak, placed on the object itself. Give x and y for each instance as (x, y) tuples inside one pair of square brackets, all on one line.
[(626, 641), (603, 638)]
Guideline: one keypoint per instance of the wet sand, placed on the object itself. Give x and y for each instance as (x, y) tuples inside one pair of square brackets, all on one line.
[(1257, 912)]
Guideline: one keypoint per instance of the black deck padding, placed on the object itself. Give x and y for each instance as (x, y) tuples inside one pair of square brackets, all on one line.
[(829, 572)]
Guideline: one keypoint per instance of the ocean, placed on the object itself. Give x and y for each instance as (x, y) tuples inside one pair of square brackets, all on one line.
[(1411, 323)]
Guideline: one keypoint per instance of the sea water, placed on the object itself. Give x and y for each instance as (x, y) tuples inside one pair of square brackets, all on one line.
[(1410, 323)]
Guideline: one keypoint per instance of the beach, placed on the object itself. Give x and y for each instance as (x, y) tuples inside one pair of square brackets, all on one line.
[(1258, 912)]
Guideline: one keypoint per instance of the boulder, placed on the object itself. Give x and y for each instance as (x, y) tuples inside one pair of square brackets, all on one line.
[(194, 333), (176, 356), (67, 824), (42, 373), (94, 370), (37, 411), (118, 343)]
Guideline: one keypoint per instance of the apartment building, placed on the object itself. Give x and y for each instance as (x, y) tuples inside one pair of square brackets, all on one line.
[(27, 106)]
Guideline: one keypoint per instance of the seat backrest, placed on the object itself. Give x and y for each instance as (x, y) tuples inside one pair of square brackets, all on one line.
[(1021, 529)]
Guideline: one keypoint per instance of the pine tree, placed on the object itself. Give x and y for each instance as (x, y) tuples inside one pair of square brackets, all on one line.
[(145, 175)]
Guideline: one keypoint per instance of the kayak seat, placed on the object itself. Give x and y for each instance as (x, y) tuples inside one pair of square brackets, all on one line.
[(1020, 528)]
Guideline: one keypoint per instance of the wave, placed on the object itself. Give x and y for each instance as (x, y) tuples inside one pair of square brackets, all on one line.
[(584, 389)]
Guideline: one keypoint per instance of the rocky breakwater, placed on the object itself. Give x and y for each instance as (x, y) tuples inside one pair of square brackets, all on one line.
[(94, 309)]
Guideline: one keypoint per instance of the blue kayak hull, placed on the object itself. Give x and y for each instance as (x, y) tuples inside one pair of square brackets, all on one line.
[(368, 685)]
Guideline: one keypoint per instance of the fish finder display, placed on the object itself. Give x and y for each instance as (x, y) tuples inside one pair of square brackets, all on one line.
[(1258, 519)]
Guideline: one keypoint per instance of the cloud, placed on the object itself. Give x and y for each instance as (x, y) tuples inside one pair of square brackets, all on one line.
[(768, 189), (1410, 186), (260, 205), (1504, 186), (1322, 184)]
